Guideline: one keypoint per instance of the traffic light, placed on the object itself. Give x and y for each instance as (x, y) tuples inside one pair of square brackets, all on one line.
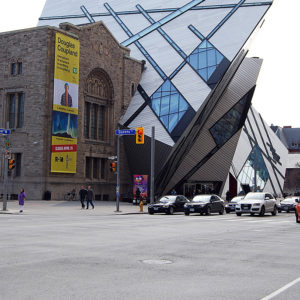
[(113, 167), (11, 164), (139, 135)]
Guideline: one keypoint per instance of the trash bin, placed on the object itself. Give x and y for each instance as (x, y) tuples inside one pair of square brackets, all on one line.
[(47, 195)]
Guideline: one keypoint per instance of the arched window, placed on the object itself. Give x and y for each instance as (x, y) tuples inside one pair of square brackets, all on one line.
[(98, 105)]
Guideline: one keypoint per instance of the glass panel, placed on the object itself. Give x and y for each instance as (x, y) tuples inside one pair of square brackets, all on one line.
[(165, 121), (210, 71), (101, 122), (173, 120), (183, 106), (164, 107), (88, 167), (202, 60), (94, 121), (174, 103), (12, 110), (13, 69), (156, 106), (20, 68), (203, 73), (219, 57), (86, 119), (211, 58), (20, 122)]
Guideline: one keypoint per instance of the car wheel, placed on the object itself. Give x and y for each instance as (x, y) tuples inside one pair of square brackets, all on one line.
[(252, 214), (201, 214), (208, 211), (287, 211), (187, 213), (274, 212), (279, 210), (262, 211), (227, 211), (222, 211), (238, 214), (171, 210)]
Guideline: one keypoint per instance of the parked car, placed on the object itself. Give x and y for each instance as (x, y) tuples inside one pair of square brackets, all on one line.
[(205, 204), (168, 204), (297, 211), (230, 206), (257, 203), (288, 204)]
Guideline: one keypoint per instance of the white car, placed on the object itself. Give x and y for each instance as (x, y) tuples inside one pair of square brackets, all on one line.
[(257, 203), (230, 206)]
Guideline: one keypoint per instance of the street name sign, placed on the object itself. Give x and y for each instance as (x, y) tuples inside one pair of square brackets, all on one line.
[(125, 132), (4, 131)]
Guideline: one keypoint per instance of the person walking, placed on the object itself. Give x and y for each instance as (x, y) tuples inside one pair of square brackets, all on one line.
[(82, 194), (90, 197), (21, 198)]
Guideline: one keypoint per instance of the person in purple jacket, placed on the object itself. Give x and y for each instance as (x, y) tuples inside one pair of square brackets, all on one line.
[(21, 198)]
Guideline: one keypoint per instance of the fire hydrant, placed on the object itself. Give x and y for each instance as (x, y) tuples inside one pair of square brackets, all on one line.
[(141, 205)]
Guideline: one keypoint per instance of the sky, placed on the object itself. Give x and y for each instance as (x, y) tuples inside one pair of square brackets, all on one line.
[(276, 97)]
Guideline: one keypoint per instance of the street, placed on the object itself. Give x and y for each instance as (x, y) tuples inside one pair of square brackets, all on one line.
[(55, 250)]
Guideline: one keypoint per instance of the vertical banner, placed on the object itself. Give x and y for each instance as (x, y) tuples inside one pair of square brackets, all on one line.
[(140, 182), (65, 105)]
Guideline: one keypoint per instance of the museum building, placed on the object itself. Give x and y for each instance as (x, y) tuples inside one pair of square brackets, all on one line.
[(63, 133)]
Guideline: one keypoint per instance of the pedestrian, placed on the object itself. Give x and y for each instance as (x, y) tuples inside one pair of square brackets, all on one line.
[(90, 197), (21, 198), (137, 195), (82, 194)]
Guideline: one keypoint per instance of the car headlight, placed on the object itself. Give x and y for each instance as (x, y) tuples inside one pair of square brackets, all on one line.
[(165, 205), (238, 206), (226, 205), (256, 204)]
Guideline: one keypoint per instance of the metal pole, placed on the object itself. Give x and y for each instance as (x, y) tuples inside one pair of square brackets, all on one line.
[(118, 173), (5, 167), (152, 164), (255, 158)]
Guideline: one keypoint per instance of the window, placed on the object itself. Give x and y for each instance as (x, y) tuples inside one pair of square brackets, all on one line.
[(13, 69), (103, 167), (95, 168), (88, 163), (98, 105), (16, 68), (18, 157), (169, 105), (20, 68), (16, 104)]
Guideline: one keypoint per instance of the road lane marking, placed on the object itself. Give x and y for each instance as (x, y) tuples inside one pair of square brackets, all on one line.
[(282, 289)]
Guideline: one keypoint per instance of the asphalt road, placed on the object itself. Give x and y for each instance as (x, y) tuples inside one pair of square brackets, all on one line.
[(61, 252)]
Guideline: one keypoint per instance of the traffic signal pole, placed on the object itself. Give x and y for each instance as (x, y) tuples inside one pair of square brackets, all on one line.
[(118, 175), (5, 183), (152, 165)]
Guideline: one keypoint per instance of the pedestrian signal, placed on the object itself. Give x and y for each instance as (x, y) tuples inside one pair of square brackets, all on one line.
[(140, 135), (113, 167), (11, 164)]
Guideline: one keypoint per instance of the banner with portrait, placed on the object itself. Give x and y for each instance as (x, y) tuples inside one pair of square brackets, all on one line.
[(65, 105)]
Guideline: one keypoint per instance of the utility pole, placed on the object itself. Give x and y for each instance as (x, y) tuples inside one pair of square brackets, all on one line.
[(152, 165)]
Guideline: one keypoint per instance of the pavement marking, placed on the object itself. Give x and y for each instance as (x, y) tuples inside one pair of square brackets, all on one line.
[(282, 289)]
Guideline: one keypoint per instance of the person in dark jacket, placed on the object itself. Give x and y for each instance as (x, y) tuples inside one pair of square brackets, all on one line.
[(82, 194), (21, 198), (90, 197)]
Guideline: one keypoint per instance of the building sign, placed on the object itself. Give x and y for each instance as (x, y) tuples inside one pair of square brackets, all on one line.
[(65, 105), (140, 182)]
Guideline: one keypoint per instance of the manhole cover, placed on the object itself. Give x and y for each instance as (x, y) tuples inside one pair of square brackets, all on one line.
[(156, 261)]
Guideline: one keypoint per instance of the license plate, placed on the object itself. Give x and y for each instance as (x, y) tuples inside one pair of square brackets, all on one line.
[(192, 209), (246, 208), (155, 208)]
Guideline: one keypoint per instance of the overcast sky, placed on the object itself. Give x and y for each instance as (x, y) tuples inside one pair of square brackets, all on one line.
[(277, 93)]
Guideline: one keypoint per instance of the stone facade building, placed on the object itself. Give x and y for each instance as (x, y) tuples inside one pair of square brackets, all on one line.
[(108, 77)]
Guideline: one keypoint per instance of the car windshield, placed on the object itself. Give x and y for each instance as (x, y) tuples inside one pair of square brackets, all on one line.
[(203, 199), (255, 196), (167, 199)]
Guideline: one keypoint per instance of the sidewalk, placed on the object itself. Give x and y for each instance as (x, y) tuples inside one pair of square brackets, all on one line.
[(71, 207)]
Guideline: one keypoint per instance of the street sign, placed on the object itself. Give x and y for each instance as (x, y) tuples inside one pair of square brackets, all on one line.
[(125, 132), (112, 157), (4, 131)]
